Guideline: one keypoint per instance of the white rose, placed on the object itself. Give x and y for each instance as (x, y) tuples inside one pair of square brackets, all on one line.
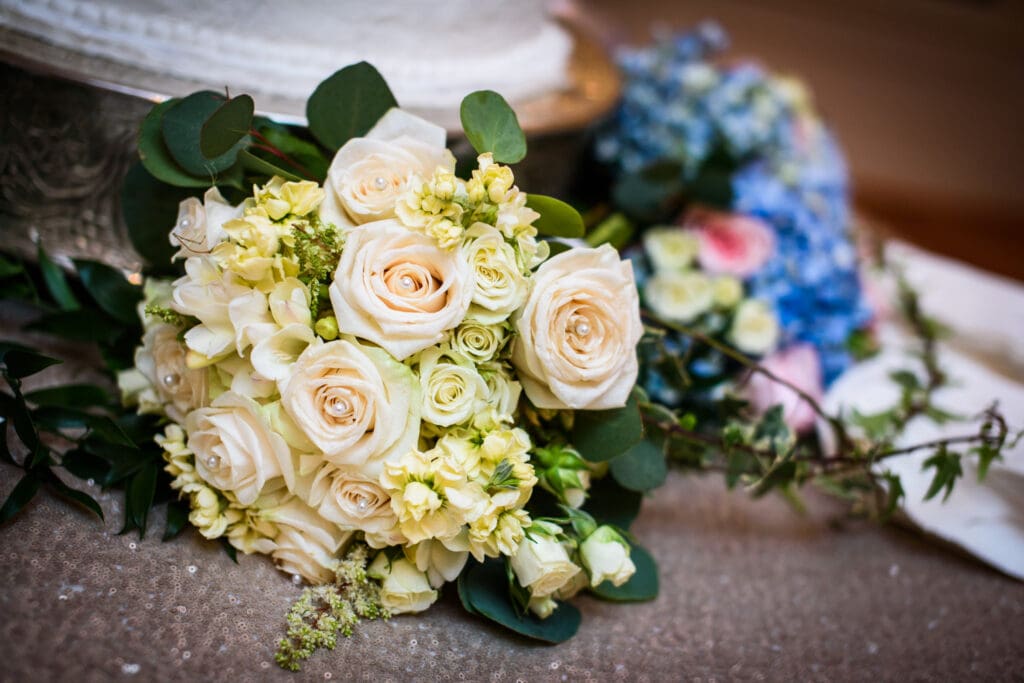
[(502, 391), (605, 555), (354, 502), (728, 291), (679, 296), (398, 289), (200, 225), (440, 563), (543, 606), (578, 331), (235, 449), (478, 341), (500, 287), (542, 565), (404, 588), (359, 406), (755, 328), (306, 544), (670, 248), (453, 391), (176, 389), (369, 174)]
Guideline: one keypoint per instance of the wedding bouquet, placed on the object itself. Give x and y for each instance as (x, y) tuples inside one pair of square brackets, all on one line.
[(742, 195), (381, 377)]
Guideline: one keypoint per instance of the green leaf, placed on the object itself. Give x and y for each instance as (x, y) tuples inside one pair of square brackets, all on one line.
[(20, 496), (111, 290), (875, 425), (85, 465), (177, 518), (491, 126), (139, 499), (58, 418), (651, 195), (557, 218), (306, 153), (610, 503), (986, 455), (348, 104), (906, 379), (70, 396), (642, 586), (251, 162), (229, 549), (555, 248), (895, 494), (641, 468), (21, 362), (182, 128), (601, 435), (80, 325), (155, 156), (9, 268), (56, 282), (226, 126), (947, 468), (940, 416), (616, 230), (75, 496), (484, 591), (150, 208)]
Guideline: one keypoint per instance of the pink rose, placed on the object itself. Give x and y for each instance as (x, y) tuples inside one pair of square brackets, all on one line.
[(729, 243), (798, 365)]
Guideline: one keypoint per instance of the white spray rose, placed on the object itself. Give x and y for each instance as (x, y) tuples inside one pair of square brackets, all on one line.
[(369, 174), (404, 588), (200, 225), (174, 388), (479, 341), (578, 332), (359, 406), (235, 449), (680, 296), (670, 248), (755, 328), (542, 565), (306, 544), (502, 391), (728, 291), (605, 555), (453, 391), (500, 287), (398, 289)]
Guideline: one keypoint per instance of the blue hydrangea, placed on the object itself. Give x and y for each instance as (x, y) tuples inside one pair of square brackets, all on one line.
[(787, 170)]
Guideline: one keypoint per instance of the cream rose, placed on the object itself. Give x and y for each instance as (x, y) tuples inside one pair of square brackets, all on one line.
[(398, 289), (453, 391), (755, 328), (306, 544), (542, 565), (369, 174), (500, 287), (670, 248), (199, 226), (235, 450), (578, 331), (605, 554), (680, 296), (356, 404), (404, 588), (354, 502), (479, 341), (176, 389)]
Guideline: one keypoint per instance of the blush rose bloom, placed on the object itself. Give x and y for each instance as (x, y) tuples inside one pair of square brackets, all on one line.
[(370, 173), (578, 331), (177, 389), (306, 544), (354, 502), (798, 364), (355, 403), (398, 289), (235, 449), (200, 224), (729, 243)]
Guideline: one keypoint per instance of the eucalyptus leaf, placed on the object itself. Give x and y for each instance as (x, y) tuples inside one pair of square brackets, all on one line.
[(610, 503), (56, 282), (491, 125), (306, 153), (484, 590), (601, 435), (150, 208), (348, 104), (642, 586), (111, 290), (228, 125), (157, 158), (261, 166), (641, 468), (182, 127), (557, 218), (23, 492)]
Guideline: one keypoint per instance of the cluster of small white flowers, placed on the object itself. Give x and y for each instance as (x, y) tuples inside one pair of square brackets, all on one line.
[(377, 396)]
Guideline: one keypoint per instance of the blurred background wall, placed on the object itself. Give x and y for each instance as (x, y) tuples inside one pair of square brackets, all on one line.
[(926, 95)]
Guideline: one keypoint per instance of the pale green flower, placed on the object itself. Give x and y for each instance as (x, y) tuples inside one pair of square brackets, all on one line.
[(679, 297), (670, 248), (755, 328)]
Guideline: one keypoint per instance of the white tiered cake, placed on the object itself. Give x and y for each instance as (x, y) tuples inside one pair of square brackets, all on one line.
[(431, 53)]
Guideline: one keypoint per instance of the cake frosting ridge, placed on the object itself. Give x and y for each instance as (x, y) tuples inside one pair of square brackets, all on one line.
[(431, 53)]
